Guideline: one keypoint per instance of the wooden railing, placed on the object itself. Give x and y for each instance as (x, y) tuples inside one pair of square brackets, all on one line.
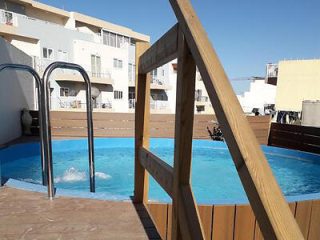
[(189, 42), (237, 221), (295, 137), (66, 124)]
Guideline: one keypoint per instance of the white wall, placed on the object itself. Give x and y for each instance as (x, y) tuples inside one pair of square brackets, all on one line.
[(260, 93), (16, 92), (82, 55)]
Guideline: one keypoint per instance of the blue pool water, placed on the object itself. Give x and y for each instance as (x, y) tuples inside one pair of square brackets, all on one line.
[(214, 178)]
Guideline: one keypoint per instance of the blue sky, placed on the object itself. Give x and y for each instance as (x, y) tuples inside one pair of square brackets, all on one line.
[(246, 34)]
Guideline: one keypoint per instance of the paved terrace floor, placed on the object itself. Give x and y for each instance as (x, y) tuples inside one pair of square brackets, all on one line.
[(30, 215)]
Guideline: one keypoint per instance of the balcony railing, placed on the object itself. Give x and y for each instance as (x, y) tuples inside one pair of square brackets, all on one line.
[(8, 18), (159, 105), (272, 70), (132, 103), (41, 64), (158, 81), (78, 104), (202, 99)]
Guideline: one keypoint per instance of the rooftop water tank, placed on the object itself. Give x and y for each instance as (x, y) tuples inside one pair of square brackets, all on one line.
[(311, 113)]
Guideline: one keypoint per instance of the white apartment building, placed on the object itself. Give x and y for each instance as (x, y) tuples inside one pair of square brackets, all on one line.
[(105, 50)]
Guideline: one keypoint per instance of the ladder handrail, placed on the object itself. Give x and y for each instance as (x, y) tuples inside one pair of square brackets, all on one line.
[(26, 68), (47, 131)]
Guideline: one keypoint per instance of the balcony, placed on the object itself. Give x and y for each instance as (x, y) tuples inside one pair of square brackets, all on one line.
[(202, 99), (8, 22), (101, 77), (132, 103), (159, 84), (8, 18), (159, 105), (74, 104), (272, 74)]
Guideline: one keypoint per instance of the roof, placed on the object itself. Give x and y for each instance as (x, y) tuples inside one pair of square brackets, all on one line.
[(86, 19)]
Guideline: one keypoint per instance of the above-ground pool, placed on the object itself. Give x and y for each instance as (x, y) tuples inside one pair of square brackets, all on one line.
[(214, 177)]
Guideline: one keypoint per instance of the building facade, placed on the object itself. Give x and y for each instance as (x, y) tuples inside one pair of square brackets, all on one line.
[(106, 51)]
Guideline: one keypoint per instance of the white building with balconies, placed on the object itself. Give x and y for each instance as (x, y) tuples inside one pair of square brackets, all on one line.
[(105, 50)]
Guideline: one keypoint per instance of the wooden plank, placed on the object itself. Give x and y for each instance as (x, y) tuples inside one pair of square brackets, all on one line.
[(55, 123), (223, 222), (310, 139), (96, 115), (162, 51), (189, 219), (159, 170), (259, 183), (185, 216), (169, 232), (257, 232), (161, 125), (259, 119), (159, 215), (142, 116), (314, 230), (244, 222), (303, 215), (205, 212)]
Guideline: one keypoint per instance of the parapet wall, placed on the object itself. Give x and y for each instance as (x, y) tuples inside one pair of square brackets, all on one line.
[(73, 124), (16, 92)]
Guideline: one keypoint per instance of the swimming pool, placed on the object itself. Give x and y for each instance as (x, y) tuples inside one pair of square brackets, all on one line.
[(214, 177)]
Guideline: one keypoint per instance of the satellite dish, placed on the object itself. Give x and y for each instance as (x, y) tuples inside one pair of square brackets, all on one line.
[(95, 92)]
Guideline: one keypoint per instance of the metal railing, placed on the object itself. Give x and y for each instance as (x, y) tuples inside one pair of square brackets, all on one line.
[(202, 99), (77, 104), (40, 64), (47, 130), (132, 103), (8, 18), (38, 81)]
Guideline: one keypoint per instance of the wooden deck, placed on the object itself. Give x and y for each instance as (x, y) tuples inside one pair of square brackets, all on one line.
[(30, 215)]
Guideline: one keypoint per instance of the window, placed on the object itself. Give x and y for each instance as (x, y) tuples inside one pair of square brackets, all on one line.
[(200, 109), (47, 53), (64, 92), (118, 94), (62, 56), (113, 39), (117, 63), (95, 66), (131, 72), (198, 95), (154, 72)]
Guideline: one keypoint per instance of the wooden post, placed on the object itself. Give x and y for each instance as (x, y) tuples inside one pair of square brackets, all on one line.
[(142, 117), (185, 216), (265, 196)]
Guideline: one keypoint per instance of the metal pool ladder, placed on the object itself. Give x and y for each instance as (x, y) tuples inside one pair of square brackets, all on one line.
[(26, 68), (46, 121)]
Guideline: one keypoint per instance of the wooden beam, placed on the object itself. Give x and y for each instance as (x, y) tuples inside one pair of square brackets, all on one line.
[(161, 52), (142, 116), (265, 196), (185, 216), (189, 218), (159, 170)]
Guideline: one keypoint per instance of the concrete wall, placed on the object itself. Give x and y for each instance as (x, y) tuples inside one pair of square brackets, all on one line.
[(17, 91), (298, 80), (259, 94)]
